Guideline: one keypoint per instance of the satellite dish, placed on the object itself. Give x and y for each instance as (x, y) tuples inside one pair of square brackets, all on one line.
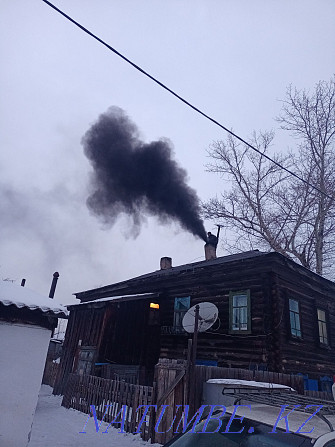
[(208, 314)]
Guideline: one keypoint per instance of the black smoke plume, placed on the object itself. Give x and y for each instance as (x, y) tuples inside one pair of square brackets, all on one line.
[(136, 178)]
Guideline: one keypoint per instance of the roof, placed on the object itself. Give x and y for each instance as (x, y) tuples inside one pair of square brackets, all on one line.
[(178, 269), (22, 297), (202, 264), (129, 286), (139, 296)]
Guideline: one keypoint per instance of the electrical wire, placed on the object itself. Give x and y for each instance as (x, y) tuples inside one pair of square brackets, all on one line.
[(196, 109)]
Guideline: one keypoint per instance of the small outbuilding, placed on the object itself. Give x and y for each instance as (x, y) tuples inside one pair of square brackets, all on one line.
[(26, 323)]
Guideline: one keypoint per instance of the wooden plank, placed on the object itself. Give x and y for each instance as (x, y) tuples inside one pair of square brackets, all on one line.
[(171, 387)]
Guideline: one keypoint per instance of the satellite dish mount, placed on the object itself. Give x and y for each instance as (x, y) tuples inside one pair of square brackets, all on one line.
[(198, 318)]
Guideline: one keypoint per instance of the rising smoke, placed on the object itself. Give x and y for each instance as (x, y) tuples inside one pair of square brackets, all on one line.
[(135, 178)]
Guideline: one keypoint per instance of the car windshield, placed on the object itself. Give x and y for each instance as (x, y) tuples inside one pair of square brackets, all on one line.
[(254, 434)]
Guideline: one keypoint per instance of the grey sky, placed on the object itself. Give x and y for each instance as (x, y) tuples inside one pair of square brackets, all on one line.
[(234, 59)]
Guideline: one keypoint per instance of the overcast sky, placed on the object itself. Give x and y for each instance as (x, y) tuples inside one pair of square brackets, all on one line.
[(232, 58)]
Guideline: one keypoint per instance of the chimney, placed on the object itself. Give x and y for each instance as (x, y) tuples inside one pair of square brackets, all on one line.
[(211, 244), (210, 252), (166, 263), (53, 284)]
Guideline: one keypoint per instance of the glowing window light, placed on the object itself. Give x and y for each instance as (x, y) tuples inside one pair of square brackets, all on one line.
[(154, 306)]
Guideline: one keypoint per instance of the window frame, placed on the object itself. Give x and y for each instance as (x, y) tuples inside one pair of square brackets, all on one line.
[(231, 311), (180, 312), (296, 337), (326, 326)]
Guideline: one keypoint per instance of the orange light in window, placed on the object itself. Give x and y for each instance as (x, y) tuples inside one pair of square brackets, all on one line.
[(154, 306)]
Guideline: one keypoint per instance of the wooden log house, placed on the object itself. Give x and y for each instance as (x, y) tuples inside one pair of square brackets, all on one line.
[(273, 314)]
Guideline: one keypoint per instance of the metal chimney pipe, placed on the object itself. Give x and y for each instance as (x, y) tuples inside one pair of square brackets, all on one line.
[(53, 285), (23, 282)]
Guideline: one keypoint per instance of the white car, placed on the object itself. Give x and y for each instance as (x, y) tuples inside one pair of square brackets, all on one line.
[(255, 424)]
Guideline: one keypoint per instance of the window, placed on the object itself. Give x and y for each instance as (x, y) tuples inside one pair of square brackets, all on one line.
[(322, 323), (239, 312), (295, 318), (181, 306), (85, 359)]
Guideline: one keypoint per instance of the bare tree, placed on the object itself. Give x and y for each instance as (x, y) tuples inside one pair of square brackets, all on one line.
[(266, 207)]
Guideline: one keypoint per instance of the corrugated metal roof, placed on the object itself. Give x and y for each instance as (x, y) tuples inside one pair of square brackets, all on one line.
[(22, 297)]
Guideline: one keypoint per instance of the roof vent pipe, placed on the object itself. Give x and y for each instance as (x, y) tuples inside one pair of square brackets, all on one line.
[(166, 263), (53, 285)]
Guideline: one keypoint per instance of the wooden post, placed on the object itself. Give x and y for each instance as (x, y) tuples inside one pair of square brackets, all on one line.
[(195, 334), (194, 355), (187, 391)]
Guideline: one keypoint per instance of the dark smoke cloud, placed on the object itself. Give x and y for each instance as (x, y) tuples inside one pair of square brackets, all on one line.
[(135, 178)]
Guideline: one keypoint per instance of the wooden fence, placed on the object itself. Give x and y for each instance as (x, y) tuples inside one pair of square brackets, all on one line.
[(172, 381), (319, 394), (82, 391), (126, 373), (204, 373), (50, 373), (171, 387)]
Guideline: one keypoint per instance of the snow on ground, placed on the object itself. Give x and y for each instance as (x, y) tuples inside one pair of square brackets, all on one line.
[(56, 426)]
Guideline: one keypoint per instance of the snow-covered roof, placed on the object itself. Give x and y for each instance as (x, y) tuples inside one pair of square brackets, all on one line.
[(12, 294), (137, 296), (237, 383)]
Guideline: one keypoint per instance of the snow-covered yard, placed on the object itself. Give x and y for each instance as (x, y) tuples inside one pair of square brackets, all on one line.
[(55, 426)]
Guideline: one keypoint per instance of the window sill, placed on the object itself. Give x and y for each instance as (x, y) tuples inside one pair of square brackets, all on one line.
[(173, 330), (295, 340), (324, 347), (239, 332)]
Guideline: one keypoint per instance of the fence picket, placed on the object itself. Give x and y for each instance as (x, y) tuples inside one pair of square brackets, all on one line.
[(83, 391)]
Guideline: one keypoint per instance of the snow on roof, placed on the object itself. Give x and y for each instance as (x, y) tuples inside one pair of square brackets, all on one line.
[(137, 296), (237, 383), (12, 294)]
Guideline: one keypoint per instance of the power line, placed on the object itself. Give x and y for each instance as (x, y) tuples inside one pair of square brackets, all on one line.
[(183, 99)]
